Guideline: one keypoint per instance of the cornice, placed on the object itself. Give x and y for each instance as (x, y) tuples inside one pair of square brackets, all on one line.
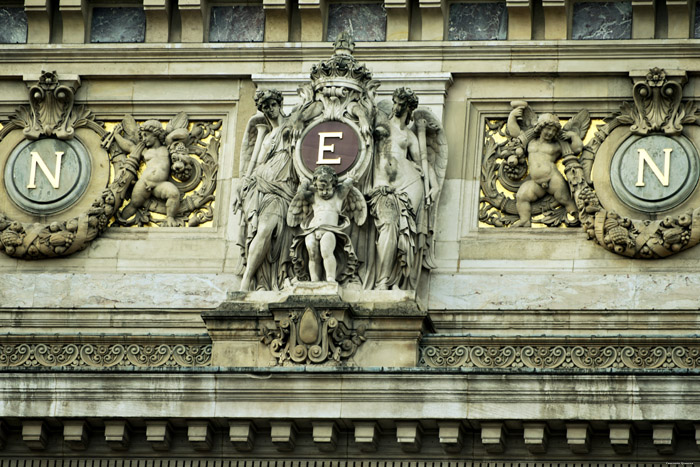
[(459, 57)]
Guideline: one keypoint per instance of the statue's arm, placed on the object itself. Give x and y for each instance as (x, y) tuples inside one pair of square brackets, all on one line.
[(512, 126)]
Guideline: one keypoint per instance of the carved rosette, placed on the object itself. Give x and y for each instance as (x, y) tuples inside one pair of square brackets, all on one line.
[(311, 337), (657, 109)]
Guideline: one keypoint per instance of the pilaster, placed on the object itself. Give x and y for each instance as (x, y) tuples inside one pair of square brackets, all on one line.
[(679, 19), (74, 14), (556, 19), (157, 20), (277, 16), (433, 13), (194, 19), (313, 14), (38, 21), (398, 19), (643, 19), (519, 19)]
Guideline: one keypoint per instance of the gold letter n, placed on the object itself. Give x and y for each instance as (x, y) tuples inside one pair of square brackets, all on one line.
[(54, 179), (644, 157)]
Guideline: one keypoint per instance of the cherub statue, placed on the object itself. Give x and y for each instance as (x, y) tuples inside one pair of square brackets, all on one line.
[(411, 161), (319, 209), (545, 142), (155, 178)]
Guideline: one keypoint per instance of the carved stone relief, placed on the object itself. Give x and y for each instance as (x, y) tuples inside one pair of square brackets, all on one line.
[(634, 184), (563, 357), (47, 354), (57, 158), (389, 155)]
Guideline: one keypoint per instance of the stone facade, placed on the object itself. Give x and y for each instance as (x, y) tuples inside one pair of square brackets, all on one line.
[(125, 338)]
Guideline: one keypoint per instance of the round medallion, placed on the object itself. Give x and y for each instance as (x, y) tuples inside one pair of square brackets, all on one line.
[(654, 173), (335, 144), (48, 175)]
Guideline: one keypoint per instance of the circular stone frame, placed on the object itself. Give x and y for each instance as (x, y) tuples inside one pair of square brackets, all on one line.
[(359, 166), (79, 170), (98, 176), (690, 176), (601, 177)]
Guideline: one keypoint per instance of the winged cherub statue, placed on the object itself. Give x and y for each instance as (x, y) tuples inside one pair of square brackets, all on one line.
[(544, 141), (319, 208)]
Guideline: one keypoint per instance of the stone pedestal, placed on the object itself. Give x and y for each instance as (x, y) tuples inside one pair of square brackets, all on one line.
[(317, 323)]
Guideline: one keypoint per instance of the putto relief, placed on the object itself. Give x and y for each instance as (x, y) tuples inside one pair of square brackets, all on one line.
[(67, 179), (633, 187), (343, 189)]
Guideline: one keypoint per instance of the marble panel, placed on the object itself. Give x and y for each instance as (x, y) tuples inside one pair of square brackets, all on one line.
[(237, 23), (13, 25), (366, 21), (602, 20), (696, 24), (121, 24), (477, 21)]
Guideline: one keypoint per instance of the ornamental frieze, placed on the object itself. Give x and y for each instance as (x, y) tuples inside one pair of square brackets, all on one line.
[(46, 354), (633, 186), (66, 178), (561, 357)]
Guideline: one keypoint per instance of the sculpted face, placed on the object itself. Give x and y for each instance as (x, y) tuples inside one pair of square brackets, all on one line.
[(324, 186), (149, 138), (549, 133), (400, 107), (271, 109)]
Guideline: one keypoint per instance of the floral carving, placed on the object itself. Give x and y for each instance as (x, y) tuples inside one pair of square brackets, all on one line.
[(104, 355), (564, 357)]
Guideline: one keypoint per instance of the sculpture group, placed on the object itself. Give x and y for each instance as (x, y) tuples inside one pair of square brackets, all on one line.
[(300, 223)]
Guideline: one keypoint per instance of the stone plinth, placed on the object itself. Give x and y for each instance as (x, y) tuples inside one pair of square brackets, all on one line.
[(317, 323)]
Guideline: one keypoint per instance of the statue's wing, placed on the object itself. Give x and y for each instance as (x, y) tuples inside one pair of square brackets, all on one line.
[(579, 123), (529, 118), (436, 143), (385, 107), (300, 207), (248, 144), (131, 129), (356, 206), (179, 121)]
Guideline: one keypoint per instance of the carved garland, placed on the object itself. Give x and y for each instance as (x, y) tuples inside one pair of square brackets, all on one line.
[(560, 356), (95, 355)]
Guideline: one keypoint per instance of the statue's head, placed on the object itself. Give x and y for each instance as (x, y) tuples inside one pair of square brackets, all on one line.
[(325, 180), (269, 102), (152, 128), (405, 101), (548, 125)]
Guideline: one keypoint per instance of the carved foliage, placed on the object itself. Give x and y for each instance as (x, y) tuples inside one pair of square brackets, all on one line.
[(560, 356), (104, 355), (312, 337)]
